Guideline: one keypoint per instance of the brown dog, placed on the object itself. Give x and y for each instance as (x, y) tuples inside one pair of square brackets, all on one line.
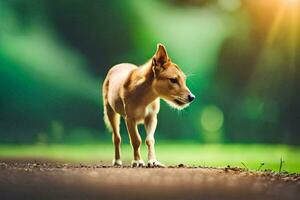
[(134, 93)]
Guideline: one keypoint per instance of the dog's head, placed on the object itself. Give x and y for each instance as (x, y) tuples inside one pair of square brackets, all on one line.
[(169, 81)]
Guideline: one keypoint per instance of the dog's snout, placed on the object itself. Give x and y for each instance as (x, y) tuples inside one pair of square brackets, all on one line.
[(191, 97)]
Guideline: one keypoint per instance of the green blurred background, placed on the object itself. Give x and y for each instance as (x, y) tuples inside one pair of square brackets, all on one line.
[(241, 58)]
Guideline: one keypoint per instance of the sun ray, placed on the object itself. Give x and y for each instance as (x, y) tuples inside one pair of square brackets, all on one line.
[(293, 36), (275, 26), (285, 20)]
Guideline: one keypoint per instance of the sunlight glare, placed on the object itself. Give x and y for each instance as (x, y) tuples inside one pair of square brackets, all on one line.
[(291, 2)]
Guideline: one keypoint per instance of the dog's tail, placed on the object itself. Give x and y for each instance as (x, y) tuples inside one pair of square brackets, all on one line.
[(105, 104)]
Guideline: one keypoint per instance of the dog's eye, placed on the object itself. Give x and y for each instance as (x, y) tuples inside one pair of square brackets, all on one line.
[(173, 80)]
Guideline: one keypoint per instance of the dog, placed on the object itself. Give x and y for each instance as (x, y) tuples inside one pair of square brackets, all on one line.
[(134, 93)]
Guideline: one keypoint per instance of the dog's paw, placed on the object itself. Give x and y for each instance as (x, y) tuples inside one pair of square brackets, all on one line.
[(155, 163), (137, 163), (117, 163)]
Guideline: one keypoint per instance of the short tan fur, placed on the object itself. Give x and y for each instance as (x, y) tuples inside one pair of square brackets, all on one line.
[(134, 93)]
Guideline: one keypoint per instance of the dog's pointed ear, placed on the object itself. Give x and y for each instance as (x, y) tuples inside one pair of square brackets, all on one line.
[(161, 56)]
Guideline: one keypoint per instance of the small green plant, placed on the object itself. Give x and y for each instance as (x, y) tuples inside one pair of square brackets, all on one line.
[(260, 166), (281, 164), (245, 166)]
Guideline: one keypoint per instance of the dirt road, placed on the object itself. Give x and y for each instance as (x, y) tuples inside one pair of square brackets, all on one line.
[(37, 180)]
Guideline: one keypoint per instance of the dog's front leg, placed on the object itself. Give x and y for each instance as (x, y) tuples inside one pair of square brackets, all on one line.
[(150, 126), (136, 142)]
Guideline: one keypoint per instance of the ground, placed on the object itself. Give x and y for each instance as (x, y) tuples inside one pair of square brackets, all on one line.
[(51, 180)]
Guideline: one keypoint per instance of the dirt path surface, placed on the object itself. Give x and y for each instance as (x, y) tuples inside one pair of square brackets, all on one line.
[(38, 180)]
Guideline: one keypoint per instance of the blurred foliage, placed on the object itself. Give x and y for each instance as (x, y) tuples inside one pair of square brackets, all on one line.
[(241, 58)]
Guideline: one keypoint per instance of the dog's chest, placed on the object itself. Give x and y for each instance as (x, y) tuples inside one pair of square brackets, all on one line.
[(140, 113)]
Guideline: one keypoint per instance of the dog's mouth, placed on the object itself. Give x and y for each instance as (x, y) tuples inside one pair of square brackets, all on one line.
[(179, 102)]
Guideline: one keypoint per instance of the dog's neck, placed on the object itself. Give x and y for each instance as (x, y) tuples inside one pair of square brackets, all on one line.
[(144, 78), (146, 72)]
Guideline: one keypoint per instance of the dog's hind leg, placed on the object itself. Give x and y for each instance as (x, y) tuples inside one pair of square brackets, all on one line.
[(136, 142), (114, 122)]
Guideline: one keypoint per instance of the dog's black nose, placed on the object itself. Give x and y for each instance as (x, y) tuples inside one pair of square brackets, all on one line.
[(191, 97)]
